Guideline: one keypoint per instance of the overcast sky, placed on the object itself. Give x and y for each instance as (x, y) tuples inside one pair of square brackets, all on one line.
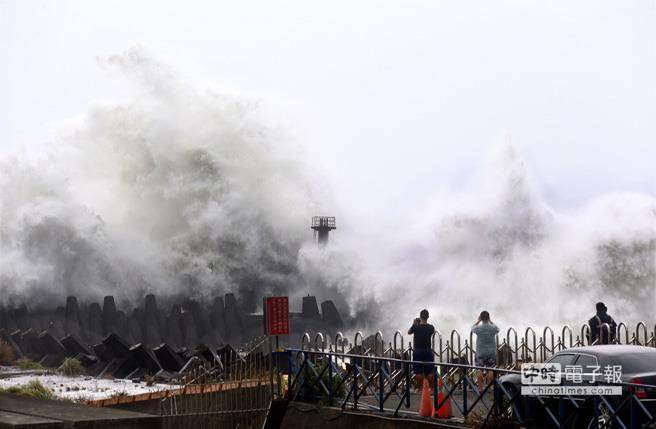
[(396, 99)]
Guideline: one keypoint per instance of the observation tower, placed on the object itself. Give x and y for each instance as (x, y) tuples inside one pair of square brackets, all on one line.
[(322, 225)]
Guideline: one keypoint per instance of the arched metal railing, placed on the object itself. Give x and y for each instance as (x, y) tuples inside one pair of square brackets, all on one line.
[(622, 327), (512, 348), (319, 339), (606, 333), (585, 334), (378, 340), (305, 341), (545, 349), (439, 354), (527, 349), (339, 341), (355, 339), (398, 335), (566, 333), (514, 351), (455, 353), (310, 380), (637, 334), (511, 351)]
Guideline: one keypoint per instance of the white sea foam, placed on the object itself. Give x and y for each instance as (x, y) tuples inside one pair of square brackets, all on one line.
[(190, 191)]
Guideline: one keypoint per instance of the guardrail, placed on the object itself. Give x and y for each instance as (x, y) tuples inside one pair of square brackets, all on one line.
[(384, 384), (512, 348), (234, 391)]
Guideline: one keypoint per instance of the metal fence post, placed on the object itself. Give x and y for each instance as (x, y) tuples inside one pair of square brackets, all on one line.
[(435, 385), (330, 380), (271, 369), (464, 394), (406, 364), (381, 384), (355, 387), (305, 374), (495, 392), (289, 375)]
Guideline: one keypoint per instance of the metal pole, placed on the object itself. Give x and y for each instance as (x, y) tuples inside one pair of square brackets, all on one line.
[(271, 367), (381, 384), (495, 390), (330, 379), (278, 389), (289, 376), (435, 387), (464, 395)]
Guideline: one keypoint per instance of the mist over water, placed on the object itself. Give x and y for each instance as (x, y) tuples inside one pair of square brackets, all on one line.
[(500, 247), (193, 192)]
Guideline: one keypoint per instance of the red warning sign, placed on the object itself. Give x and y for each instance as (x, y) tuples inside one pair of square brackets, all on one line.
[(276, 314)]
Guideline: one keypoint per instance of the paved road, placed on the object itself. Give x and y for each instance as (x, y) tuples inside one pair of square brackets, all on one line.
[(21, 411), (481, 408)]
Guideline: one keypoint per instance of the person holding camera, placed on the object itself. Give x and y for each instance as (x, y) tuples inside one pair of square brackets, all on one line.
[(422, 352), (486, 348)]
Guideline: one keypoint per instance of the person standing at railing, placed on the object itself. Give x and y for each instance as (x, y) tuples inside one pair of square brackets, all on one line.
[(486, 349), (597, 324), (422, 352)]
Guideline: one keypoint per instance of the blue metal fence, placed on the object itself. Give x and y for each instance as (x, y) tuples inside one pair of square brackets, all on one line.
[(384, 384)]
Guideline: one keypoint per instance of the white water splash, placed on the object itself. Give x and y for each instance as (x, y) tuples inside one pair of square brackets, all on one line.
[(183, 191)]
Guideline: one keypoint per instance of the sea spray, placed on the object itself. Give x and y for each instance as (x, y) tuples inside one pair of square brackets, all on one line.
[(498, 246), (178, 191), (193, 192)]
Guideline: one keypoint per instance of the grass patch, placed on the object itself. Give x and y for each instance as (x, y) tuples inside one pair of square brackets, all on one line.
[(7, 354), (79, 399), (32, 388), (72, 367), (26, 364), (119, 394), (150, 380)]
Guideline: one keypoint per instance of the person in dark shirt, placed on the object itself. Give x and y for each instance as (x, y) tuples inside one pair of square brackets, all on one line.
[(422, 351), (597, 326)]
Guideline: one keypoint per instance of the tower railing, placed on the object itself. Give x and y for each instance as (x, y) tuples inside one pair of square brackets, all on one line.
[(323, 221)]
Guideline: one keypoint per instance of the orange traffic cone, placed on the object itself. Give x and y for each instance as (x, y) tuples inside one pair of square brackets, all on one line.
[(445, 409), (426, 404)]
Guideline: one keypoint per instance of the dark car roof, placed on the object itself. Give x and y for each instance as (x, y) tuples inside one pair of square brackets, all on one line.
[(610, 350)]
